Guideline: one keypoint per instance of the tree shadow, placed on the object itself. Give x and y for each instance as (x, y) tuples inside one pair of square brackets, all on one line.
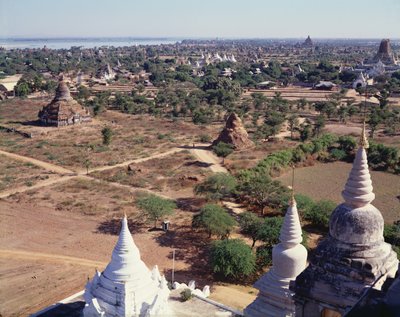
[(197, 147), (113, 226), (190, 204), (192, 248), (198, 164), (65, 310)]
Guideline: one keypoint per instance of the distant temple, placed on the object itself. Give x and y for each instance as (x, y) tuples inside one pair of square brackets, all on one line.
[(63, 110), (308, 42), (385, 53), (127, 287)]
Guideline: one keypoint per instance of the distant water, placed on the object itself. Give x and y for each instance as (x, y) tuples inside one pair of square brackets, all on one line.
[(67, 43)]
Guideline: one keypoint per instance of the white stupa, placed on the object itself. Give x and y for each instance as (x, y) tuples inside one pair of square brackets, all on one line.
[(289, 259), (127, 288)]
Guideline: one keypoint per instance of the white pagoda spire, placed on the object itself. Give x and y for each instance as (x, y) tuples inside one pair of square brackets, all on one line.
[(358, 190), (289, 259), (127, 288)]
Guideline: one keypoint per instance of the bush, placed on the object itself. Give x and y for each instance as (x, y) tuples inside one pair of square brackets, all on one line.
[(264, 256), (232, 258), (107, 135), (319, 214), (392, 233), (222, 149), (186, 294), (338, 155), (304, 204), (205, 138), (270, 230), (217, 186)]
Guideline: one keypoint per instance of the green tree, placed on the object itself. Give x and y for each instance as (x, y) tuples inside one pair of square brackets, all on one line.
[(232, 258), (155, 207), (319, 124), (319, 213), (262, 191), (250, 225), (107, 134), (215, 220), (216, 186), (293, 122), (22, 89)]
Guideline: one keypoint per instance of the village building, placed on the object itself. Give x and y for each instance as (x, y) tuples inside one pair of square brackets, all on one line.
[(63, 110), (127, 287), (289, 259), (354, 259)]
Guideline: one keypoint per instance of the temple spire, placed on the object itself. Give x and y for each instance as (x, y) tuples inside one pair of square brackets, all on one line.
[(289, 259), (358, 190)]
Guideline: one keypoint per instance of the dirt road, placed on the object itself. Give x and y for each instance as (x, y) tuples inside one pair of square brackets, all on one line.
[(48, 166), (208, 157)]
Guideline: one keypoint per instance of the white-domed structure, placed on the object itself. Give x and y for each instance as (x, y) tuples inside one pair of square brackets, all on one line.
[(289, 259), (354, 258), (127, 288)]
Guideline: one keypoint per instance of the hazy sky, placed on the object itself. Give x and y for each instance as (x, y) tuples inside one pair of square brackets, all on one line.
[(201, 18)]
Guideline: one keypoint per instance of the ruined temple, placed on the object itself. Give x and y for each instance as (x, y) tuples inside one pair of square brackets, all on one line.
[(234, 134), (385, 53), (63, 110)]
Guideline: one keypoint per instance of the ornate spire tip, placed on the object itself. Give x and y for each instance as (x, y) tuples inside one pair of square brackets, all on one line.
[(363, 142)]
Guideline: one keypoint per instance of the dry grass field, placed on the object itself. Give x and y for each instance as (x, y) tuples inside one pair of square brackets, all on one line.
[(16, 173), (173, 175), (326, 181), (133, 136)]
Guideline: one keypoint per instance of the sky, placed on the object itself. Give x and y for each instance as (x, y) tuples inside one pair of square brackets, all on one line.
[(201, 18)]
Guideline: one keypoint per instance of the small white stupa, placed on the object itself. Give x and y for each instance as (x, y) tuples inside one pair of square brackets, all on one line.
[(127, 288), (289, 259)]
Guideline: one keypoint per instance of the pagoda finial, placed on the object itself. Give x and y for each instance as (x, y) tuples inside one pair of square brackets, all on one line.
[(292, 199), (358, 190), (363, 142)]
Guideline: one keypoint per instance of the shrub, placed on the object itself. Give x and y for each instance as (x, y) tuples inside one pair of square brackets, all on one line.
[(217, 186), (264, 256), (338, 155), (107, 135), (304, 204), (222, 149), (186, 294), (319, 213), (270, 230), (392, 233), (205, 138), (232, 258)]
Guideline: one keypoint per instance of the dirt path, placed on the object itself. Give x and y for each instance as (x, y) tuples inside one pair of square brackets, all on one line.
[(48, 166), (29, 255), (206, 156), (52, 180), (140, 160)]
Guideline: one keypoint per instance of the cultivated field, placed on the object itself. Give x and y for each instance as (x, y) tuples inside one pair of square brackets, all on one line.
[(326, 181)]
